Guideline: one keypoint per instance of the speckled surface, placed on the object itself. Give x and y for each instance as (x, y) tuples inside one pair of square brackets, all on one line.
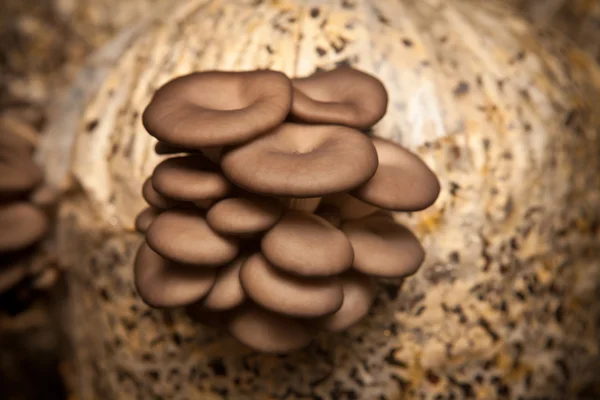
[(506, 304)]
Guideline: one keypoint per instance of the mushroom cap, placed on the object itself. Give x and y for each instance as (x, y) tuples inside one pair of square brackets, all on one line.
[(349, 207), (145, 218), (244, 215), (344, 96), (359, 293), (154, 198), (184, 237), (163, 283), (302, 161), (268, 332), (18, 173), (216, 108), (21, 225), (10, 275), (403, 182), (383, 247), (307, 245), (288, 294), (190, 178), (227, 292)]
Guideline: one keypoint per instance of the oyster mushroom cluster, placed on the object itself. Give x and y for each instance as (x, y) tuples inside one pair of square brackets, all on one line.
[(23, 223), (271, 218)]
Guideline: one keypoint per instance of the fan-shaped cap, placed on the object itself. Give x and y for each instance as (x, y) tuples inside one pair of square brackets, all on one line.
[(163, 283), (215, 108), (156, 199), (307, 245), (344, 96), (190, 178), (227, 292), (287, 294), (268, 332), (359, 293), (349, 207), (244, 215), (184, 237), (382, 247), (145, 218), (403, 182), (302, 161), (21, 225), (18, 174)]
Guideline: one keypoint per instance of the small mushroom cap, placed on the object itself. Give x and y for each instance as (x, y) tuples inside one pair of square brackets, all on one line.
[(190, 178), (344, 96), (10, 275), (216, 108), (21, 225), (382, 247), (302, 161), (268, 332), (359, 293), (184, 237), (244, 215), (403, 182), (18, 173), (154, 198), (145, 218), (227, 292), (350, 207), (307, 245), (287, 294), (163, 283)]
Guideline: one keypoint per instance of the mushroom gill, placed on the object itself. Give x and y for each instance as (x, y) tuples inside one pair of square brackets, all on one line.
[(270, 215)]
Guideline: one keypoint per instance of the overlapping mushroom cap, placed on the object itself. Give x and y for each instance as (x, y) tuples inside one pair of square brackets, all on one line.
[(269, 218), (22, 222)]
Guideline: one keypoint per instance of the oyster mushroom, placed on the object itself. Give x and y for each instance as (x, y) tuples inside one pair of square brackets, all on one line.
[(242, 216), (382, 247), (154, 198), (343, 96), (191, 178), (215, 108), (227, 292), (22, 224), (359, 293), (302, 161), (184, 236), (288, 294), (268, 332), (305, 244), (145, 218), (163, 283), (403, 182)]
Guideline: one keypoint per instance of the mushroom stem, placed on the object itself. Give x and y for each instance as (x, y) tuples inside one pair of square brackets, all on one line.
[(307, 204)]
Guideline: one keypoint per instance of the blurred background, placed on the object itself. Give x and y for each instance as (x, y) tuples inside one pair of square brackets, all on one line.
[(43, 43)]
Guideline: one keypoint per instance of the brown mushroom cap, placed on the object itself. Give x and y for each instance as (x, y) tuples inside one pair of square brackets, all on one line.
[(403, 182), (216, 108), (349, 207), (307, 245), (10, 275), (244, 215), (18, 173), (359, 293), (154, 198), (163, 283), (382, 247), (227, 292), (302, 161), (268, 332), (344, 96), (190, 178), (184, 237), (145, 218), (21, 225), (287, 294)]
